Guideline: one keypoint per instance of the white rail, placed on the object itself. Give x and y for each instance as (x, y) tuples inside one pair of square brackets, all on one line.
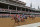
[(30, 25)]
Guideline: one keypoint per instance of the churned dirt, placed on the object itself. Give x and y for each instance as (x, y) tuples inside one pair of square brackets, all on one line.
[(7, 22)]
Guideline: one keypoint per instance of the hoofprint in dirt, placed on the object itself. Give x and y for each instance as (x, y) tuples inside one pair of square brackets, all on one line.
[(31, 25)]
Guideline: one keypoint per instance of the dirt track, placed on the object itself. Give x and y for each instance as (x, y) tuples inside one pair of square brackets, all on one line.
[(7, 22)]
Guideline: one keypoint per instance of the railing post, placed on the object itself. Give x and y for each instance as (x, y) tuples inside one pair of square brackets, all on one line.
[(25, 9), (16, 9), (8, 7), (21, 9)]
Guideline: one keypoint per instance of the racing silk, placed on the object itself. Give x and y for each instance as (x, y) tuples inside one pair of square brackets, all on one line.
[(19, 17)]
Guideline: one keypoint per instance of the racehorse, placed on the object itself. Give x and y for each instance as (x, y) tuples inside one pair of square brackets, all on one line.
[(32, 16), (15, 19)]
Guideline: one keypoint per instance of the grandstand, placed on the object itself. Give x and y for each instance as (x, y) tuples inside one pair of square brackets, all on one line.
[(15, 7), (12, 7)]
